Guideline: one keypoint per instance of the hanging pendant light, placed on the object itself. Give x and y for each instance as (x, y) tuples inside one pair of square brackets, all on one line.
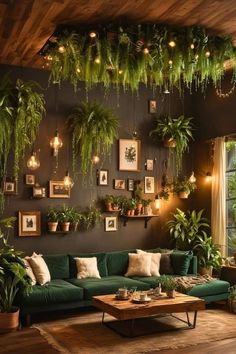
[(95, 159), (192, 178), (68, 181), (157, 202), (56, 143), (208, 177), (33, 162)]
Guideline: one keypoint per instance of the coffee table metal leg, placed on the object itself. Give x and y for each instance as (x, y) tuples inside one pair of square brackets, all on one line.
[(189, 323)]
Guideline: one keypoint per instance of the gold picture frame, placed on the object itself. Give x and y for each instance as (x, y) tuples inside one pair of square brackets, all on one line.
[(29, 223), (129, 155), (58, 190)]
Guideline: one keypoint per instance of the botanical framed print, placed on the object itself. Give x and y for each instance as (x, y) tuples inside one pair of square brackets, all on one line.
[(29, 223), (30, 180), (149, 184), (130, 184), (129, 154), (119, 184), (152, 106), (10, 186), (111, 223), (149, 164), (102, 176), (58, 190)]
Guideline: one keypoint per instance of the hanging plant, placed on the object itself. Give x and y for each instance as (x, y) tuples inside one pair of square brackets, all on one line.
[(93, 129), (176, 131)]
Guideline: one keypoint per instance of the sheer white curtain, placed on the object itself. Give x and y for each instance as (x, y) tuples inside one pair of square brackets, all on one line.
[(218, 200)]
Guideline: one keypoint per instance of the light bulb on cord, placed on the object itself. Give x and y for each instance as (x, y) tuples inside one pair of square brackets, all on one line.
[(208, 177), (56, 143), (33, 162), (68, 181), (157, 202), (95, 159), (192, 178)]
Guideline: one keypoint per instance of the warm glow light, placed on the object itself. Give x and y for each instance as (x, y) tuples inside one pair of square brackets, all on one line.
[(78, 70), (97, 61), (61, 49), (95, 159), (56, 143), (207, 54), (92, 34), (172, 44), (120, 72), (166, 92), (196, 56), (33, 163), (170, 62), (68, 181), (192, 46), (146, 51), (192, 178), (208, 177), (49, 57), (157, 202)]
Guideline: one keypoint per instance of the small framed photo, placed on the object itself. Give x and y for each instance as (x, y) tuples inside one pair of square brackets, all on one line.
[(58, 190), (111, 223), (102, 176), (29, 223), (149, 184), (129, 155), (39, 192), (119, 184), (149, 164), (30, 180), (152, 106), (130, 184), (10, 186)]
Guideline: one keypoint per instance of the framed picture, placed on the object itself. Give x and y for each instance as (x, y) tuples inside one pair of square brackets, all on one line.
[(58, 190), (129, 155), (149, 184), (29, 223), (111, 223), (130, 185), (119, 184), (10, 186), (102, 177), (39, 192), (30, 179), (152, 106), (149, 164)]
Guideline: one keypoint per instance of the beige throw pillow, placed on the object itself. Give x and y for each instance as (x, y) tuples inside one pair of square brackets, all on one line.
[(29, 271), (40, 268), (139, 265), (155, 262), (87, 268)]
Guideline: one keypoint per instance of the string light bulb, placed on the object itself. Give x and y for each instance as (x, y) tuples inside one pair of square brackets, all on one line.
[(56, 143), (33, 162), (207, 54), (192, 178), (157, 202), (146, 51), (192, 46), (92, 34), (61, 49), (208, 177), (120, 72), (170, 62), (78, 70), (172, 44), (68, 181), (97, 60), (95, 159)]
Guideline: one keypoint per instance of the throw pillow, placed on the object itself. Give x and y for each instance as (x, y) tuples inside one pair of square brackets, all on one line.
[(29, 271), (165, 264), (40, 268), (87, 268), (155, 262), (181, 262), (139, 265)]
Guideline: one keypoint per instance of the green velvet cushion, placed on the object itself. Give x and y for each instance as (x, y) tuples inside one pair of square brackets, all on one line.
[(107, 285), (151, 281), (101, 263), (180, 262), (58, 265), (214, 287), (117, 262), (56, 291)]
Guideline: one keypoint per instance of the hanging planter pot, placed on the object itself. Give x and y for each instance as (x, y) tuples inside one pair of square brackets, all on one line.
[(183, 195), (170, 143)]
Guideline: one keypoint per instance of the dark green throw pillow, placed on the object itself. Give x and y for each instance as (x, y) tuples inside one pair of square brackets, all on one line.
[(180, 262)]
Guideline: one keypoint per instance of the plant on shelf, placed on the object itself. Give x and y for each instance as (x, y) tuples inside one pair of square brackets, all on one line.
[(146, 206), (183, 187), (130, 206), (176, 133), (53, 219), (168, 285), (138, 196), (232, 298), (75, 218), (13, 278), (108, 201), (186, 228), (94, 129), (208, 254), (91, 217), (64, 215)]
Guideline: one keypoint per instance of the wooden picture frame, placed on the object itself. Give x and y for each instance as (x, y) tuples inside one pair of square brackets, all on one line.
[(130, 184), (10, 186), (39, 192), (110, 223), (149, 164), (30, 180), (102, 177), (149, 185), (58, 190), (29, 223), (129, 155), (152, 106), (119, 184)]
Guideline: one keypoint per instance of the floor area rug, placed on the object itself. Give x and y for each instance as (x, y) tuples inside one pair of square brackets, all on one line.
[(85, 334)]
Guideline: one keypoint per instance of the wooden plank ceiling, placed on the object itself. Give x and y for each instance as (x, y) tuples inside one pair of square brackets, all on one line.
[(25, 25)]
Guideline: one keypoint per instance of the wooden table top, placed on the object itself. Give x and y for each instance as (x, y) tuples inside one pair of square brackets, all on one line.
[(126, 309)]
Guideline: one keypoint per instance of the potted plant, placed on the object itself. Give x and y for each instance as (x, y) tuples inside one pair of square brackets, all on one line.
[(108, 200), (232, 298), (13, 278), (208, 254), (186, 228), (146, 206), (53, 218), (64, 215), (168, 285), (91, 217), (183, 187), (138, 195), (176, 133), (75, 218), (130, 207)]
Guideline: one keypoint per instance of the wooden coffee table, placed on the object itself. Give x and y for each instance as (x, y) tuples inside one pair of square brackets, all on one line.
[(126, 312)]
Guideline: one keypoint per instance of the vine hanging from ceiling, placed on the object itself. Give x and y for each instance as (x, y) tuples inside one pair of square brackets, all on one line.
[(122, 55)]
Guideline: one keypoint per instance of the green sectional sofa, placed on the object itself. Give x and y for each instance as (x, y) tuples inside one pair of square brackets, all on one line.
[(65, 291)]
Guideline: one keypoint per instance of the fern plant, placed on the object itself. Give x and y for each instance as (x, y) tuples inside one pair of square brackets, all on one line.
[(93, 129)]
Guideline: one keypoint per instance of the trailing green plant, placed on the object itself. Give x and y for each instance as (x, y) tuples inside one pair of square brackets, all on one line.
[(177, 129), (94, 129), (91, 217), (167, 282), (13, 277), (127, 55), (183, 185), (207, 252), (186, 228)]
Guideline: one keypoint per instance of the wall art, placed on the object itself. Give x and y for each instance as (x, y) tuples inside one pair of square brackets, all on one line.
[(119, 184), (111, 223), (10, 186), (129, 154), (149, 184), (58, 190), (30, 180), (102, 176), (149, 164), (152, 106), (29, 223)]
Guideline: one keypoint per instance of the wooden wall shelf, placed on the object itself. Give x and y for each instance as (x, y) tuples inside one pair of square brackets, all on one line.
[(145, 217)]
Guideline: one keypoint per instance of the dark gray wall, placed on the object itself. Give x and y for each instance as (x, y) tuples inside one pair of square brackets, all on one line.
[(132, 110)]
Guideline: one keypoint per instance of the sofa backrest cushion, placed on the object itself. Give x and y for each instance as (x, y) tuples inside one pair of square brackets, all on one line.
[(101, 262), (193, 266), (180, 262), (117, 262), (58, 265)]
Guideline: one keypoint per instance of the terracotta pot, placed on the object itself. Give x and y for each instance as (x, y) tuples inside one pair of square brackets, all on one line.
[(171, 294), (115, 207), (65, 226), (183, 195), (128, 212), (109, 207), (9, 320), (170, 143), (74, 226), (205, 270), (52, 226)]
